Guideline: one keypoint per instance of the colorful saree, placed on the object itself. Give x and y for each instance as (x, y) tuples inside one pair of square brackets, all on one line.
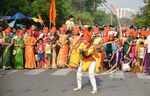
[(29, 53)]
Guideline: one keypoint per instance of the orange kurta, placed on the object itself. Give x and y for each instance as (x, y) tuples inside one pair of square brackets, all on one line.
[(29, 52)]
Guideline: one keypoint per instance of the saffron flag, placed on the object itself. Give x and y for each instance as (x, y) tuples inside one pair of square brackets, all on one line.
[(52, 13)]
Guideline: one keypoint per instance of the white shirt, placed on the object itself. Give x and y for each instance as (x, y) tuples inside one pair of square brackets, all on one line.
[(69, 24)]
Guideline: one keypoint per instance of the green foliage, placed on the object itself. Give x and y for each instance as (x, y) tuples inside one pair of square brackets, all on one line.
[(85, 9), (40, 7), (144, 18), (9, 7), (64, 9), (101, 17), (86, 17), (91, 5)]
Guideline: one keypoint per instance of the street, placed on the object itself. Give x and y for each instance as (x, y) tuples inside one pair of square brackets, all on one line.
[(60, 82)]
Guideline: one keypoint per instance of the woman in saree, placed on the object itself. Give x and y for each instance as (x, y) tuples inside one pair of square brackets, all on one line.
[(63, 51), (8, 50), (19, 45), (29, 51), (53, 38), (74, 48)]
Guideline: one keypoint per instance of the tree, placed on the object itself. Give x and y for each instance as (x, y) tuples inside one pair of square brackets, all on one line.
[(143, 18), (9, 7), (91, 5), (146, 12), (84, 8)]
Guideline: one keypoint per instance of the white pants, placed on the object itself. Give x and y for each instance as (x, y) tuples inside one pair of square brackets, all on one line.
[(91, 75)]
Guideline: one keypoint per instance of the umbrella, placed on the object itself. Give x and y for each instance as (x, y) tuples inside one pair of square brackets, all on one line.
[(5, 17), (20, 16)]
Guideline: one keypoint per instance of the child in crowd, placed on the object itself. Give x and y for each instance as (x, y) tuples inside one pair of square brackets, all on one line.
[(40, 54), (48, 53)]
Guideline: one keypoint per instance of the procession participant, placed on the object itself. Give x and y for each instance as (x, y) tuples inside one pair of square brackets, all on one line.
[(64, 49), (74, 52), (45, 32), (35, 32), (70, 23), (133, 32), (147, 56), (26, 34), (8, 49), (99, 55), (95, 30), (114, 59), (126, 44), (47, 47), (86, 32), (53, 38), (48, 54), (87, 63), (143, 32), (108, 52), (1, 47), (30, 42), (140, 53), (18, 50), (40, 54), (106, 33), (148, 31), (118, 61), (132, 54), (106, 30)]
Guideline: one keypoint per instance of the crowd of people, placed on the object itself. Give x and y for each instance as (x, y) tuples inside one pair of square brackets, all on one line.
[(71, 44)]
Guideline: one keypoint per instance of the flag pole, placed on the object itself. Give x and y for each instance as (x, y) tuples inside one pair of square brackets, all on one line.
[(49, 21)]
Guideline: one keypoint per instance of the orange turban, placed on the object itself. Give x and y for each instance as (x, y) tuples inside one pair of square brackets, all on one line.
[(45, 30), (8, 30)]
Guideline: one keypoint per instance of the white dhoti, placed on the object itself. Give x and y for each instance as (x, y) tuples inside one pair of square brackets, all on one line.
[(92, 78)]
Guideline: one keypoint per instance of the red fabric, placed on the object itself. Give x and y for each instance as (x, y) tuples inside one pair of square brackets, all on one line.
[(105, 39), (36, 34), (87, 35), (144, 33)]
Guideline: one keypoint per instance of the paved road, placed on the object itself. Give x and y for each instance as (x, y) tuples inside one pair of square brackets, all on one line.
[(61, 82)]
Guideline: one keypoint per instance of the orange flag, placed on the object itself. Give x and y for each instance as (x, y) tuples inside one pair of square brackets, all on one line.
[(52, 13)]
